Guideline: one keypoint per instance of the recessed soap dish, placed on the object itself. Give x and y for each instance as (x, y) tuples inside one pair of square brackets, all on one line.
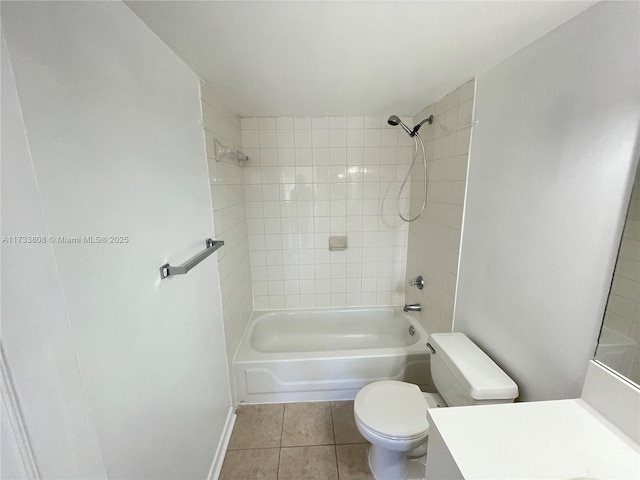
[(338, 243)]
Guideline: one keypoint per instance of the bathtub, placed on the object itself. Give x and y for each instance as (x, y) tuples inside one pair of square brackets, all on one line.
[(319, 355)]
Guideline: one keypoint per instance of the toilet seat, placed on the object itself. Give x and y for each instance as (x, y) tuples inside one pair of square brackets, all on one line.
[(393, 410)]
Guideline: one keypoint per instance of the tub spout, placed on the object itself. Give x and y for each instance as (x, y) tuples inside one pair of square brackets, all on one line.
[(413, 307)]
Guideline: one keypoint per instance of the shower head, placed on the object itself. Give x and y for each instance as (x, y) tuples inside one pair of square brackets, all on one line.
[(395, 121)]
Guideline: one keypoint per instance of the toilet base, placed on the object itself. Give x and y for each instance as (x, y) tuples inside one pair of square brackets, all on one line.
[(390, 465)]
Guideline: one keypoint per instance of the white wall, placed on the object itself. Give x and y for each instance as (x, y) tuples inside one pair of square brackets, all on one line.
[(549, 179), (314, 177), (36, 336), (434, 238), (13, 466), (123, 365)]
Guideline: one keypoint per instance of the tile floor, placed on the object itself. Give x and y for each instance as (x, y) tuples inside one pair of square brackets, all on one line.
[(296, 441)]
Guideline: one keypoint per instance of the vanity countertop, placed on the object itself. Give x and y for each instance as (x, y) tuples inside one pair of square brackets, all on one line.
[(561, 439)]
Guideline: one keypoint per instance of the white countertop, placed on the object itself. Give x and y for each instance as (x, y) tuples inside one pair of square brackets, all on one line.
[(563, 439)]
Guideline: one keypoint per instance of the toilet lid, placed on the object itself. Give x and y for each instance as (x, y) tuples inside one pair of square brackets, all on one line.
[(392, 409)]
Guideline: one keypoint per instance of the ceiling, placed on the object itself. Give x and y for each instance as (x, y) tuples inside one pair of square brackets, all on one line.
[(340, 57)]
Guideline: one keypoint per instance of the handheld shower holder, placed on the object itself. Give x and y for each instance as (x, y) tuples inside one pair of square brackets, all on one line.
[(428, 120)]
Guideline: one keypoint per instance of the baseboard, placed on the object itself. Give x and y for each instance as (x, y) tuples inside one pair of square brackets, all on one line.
[(218, 459)]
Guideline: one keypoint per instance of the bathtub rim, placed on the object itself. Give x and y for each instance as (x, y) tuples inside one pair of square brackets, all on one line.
[(271, 367), (241, 354)]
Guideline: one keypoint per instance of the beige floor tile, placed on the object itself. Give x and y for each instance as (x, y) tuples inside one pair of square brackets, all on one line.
[(257, 426), (307, 424), (308, 463), (344, 424), (353, 463), (261, 464)]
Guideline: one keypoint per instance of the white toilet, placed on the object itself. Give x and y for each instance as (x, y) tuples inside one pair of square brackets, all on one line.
[(392, 415)]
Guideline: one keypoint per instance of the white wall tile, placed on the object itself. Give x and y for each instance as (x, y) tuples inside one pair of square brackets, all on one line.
[(320, 123), (338, 122), (373, 121), (261, 302), (268, 157), (355, 122), (467, 91), (338, 138), (285, 139), (266, 123), (230, 187), (320, 138), (302, 123), (308, 301), (284, 123), (321, 176), (320, 156), (250, 138), (389, 137), (433, 241), (268, 138), (303, 156), (249, 123), (355, 137), (372, 137), (303, 138)]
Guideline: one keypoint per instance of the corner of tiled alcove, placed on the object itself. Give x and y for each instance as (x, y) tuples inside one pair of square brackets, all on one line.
[(434, 239), (229, 217)]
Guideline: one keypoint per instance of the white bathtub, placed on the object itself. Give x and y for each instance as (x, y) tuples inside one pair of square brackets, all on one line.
[(315, 355)]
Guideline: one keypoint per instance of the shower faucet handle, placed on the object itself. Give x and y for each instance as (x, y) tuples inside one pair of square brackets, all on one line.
[(418, 282)]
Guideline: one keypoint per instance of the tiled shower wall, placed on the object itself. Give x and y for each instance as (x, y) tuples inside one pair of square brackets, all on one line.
[(434, 239), (314, 177), (229, 217), (623, 307)]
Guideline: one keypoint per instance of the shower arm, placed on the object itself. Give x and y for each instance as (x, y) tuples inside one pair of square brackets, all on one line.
[(428, 120)]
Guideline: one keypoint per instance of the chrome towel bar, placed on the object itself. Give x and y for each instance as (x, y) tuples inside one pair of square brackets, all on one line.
[(211, 246)]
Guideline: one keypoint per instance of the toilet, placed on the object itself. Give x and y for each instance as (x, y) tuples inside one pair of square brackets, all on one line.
[(392, 415)]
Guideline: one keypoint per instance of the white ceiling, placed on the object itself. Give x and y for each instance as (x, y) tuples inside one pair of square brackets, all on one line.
[(341, 57)]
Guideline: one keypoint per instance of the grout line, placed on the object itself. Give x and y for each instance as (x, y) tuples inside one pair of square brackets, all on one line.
[(284, 405), (333, 428), (250, 448), (278, 468), (309, 445), (335, 445)]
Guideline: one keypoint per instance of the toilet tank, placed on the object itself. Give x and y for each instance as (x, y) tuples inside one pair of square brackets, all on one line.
[(465, 375)]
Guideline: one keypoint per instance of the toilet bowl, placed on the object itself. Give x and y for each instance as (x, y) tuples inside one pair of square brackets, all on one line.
[(392, 415)]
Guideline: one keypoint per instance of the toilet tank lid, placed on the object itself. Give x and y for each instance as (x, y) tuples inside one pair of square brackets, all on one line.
[(481, 375)]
